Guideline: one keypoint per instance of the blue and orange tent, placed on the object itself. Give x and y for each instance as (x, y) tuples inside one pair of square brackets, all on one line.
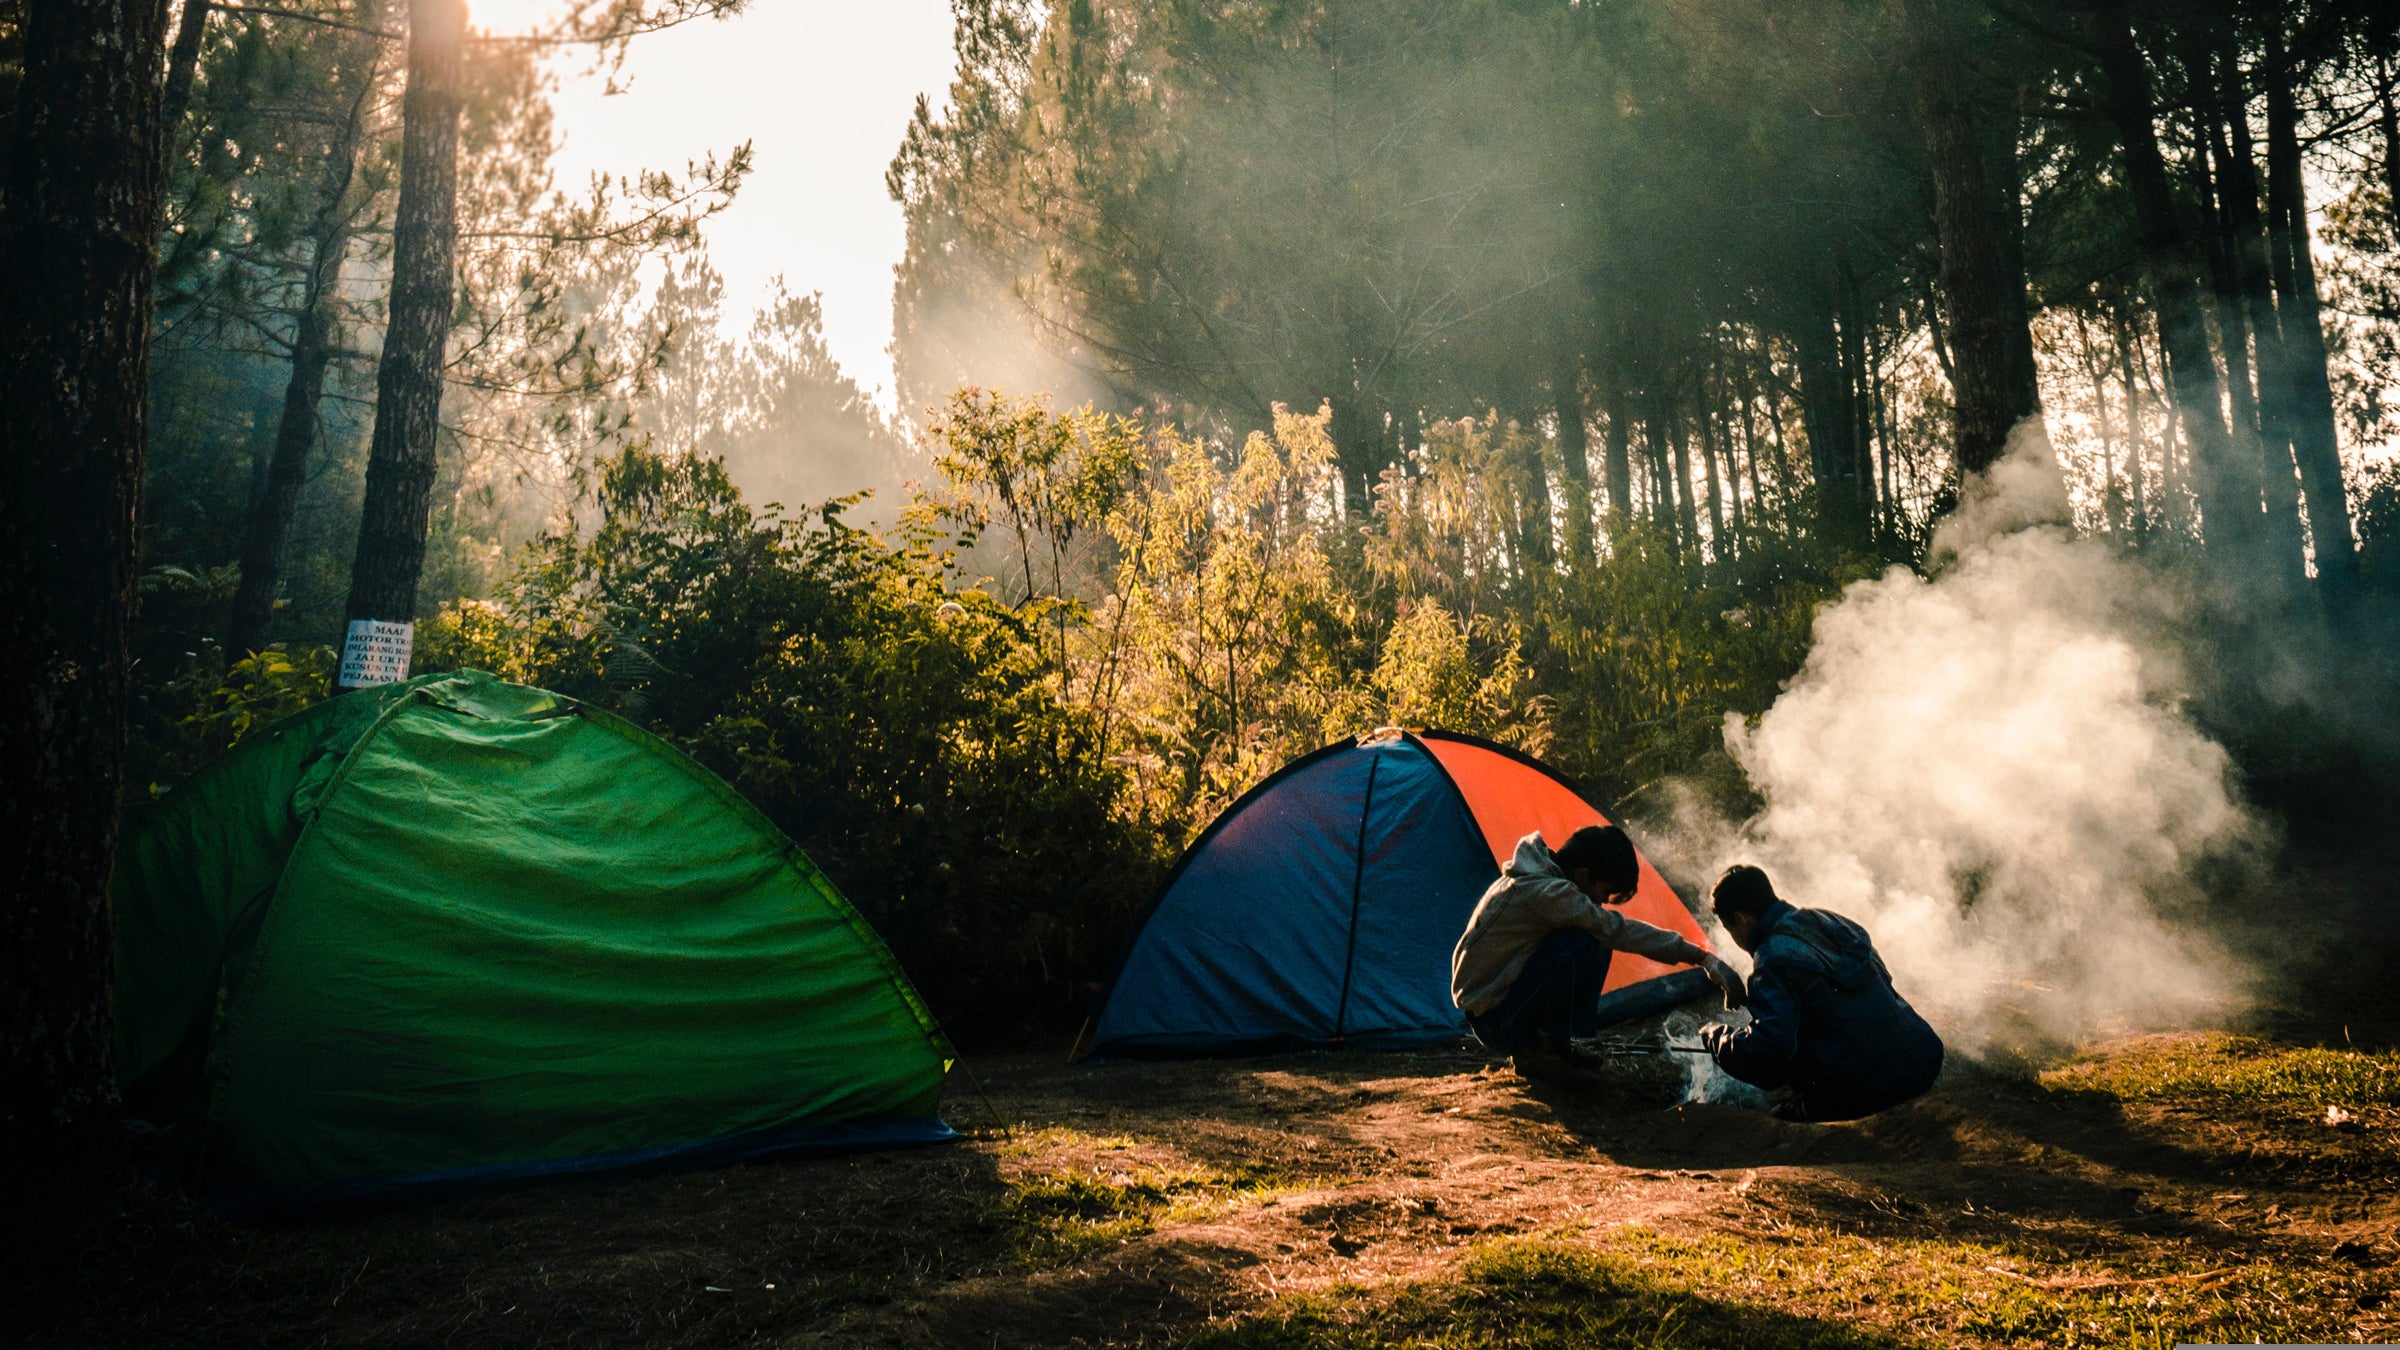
[(1321, 908)]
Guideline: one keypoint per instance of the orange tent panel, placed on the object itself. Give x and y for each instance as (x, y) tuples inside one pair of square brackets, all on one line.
[(1511, 799)]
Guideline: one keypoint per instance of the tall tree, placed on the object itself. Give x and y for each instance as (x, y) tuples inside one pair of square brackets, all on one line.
[(2228, 490), (1575, 461), (408, 383), (183, 63), (1982, 291), (76, 269), (316, 334), (2246, 299), (2315, 443)]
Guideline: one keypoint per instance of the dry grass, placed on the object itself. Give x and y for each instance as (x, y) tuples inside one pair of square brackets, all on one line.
[(2154, 1190)]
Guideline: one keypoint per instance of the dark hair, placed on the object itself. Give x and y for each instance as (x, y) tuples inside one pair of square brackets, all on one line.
[(1743, 890), (1605, 852)]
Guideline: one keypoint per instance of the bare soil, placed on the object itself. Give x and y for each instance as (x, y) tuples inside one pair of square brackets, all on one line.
[(1122, 1204)]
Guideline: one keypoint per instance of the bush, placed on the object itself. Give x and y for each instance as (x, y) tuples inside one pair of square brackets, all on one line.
[(905, 730)]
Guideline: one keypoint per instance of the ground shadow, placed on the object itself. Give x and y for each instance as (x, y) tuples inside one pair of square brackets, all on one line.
[(723, 1256)]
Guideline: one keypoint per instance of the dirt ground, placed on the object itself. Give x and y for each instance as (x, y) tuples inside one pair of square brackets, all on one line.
[(1347, 1198)]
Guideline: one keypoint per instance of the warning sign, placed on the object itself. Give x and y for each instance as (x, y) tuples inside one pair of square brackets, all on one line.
[(376, 652)]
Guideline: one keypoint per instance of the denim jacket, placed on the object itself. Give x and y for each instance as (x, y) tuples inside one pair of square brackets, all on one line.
[(1826, 1022)]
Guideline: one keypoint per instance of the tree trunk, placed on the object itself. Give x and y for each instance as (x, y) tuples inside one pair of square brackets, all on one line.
[(313, 340), (77, 266), (183, 62), (1534, 512), (1737, 453), (1357, 444), (1742, 390), (2256, 437), (2387, 117), (1977, 280), (278, 500), (1687, 518), (2316, 444), (1655, 418), (408, 382), (1831, 423), (2253, 276), (2173, 456), (2136, 450), (2100, 414), (1879, 420), (2017, 309), (1574, 463), (1855, 367), (1717, 541), (2225, 292), (1619, 464), (2228, 494), (1783, 454)]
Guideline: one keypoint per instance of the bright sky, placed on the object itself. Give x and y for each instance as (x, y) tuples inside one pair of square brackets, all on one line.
[(823, 89)]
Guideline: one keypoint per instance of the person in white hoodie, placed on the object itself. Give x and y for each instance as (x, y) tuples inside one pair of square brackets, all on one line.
[(1529, 969)]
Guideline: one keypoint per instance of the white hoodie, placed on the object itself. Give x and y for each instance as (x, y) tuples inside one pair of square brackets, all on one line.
[(1531, 900)]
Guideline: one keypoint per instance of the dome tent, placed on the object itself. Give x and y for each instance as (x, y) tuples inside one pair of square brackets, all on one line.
[(1321, 908), (458, 929)]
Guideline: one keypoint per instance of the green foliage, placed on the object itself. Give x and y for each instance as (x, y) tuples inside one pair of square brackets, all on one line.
[(1229, 641), (996, 773), (188, 704), (1429, 677), (1645, 665), (906, 732), (208, 706), (1050, 479), (996, 781)]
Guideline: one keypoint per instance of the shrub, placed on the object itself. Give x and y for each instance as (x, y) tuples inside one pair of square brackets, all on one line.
[(904, 730)]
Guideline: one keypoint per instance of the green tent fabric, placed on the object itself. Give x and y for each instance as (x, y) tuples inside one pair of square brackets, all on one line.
[(461, 929)]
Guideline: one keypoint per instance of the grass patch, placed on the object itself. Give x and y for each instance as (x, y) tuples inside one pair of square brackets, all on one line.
[(1057, 1217), (1960, 1288), (2221, 1065), (1027, 1141), (1532, 1295), (1804, 1290)]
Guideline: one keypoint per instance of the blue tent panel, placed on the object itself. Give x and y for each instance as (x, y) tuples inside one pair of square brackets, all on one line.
[(1425, 867), (1321, 907)]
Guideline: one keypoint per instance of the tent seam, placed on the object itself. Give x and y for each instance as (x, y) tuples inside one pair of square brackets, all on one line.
[(221, 1060), (1183, 862), (1358, 878), (790, 854)]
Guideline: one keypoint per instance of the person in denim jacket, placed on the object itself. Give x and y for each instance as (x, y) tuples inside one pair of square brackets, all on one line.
[(1825, 1020)]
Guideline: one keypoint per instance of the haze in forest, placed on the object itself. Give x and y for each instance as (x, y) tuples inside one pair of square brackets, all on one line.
[(822, 91), (659, 489), (1633, 384)]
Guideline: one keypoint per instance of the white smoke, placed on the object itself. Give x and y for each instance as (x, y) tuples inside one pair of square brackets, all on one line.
[(1703, 1081), (1990, 770)]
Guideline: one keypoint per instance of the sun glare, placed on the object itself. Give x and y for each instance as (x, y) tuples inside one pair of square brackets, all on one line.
[(511, 18)]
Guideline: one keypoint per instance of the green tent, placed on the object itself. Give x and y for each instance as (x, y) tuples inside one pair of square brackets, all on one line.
[(459, 929)]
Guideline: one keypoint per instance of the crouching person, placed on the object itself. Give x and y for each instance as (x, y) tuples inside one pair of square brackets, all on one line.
[(1824, 1018), (1529, 969)]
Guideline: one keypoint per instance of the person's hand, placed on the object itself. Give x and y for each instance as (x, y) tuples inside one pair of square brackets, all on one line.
[(1715, 1037), (1726, 979)]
